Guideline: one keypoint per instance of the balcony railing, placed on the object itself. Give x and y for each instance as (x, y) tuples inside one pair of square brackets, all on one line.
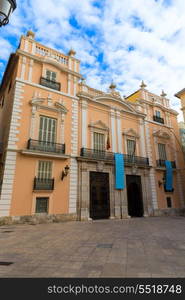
[(137, 160), (46, 146), (161, 163), (97, 154), (1, 148), (105, 155), (50, 84), (158, 119), (43, 184)]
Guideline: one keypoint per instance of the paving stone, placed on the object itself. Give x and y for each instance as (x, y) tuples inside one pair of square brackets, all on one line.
[(138, 247)]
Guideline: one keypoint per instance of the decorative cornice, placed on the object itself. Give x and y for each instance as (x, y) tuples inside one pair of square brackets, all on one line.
[(45, 88)]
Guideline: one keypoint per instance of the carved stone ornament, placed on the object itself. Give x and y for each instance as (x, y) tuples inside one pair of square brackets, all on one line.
[(100, 166), (161, 134)]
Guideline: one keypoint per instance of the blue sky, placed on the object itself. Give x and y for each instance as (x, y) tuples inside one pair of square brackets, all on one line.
[(125, 41)]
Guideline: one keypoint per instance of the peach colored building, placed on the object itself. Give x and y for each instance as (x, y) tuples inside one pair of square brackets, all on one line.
[(58, 137)]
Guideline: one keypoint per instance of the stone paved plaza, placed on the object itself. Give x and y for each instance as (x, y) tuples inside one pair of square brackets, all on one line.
[(136, 247)]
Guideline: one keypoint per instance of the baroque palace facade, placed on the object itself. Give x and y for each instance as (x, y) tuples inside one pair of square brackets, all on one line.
[(58, 137)]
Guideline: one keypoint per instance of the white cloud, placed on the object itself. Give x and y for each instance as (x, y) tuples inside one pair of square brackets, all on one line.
[(154, 30)]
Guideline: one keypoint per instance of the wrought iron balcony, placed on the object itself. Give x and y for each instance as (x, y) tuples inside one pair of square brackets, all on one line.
[(1, 148), (46, 146), (50, 84), (161, 163), (137, 160), (105, 155), (97, 154), (158, 119), (43, 184)]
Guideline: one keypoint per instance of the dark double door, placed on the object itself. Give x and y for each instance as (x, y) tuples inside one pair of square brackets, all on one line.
[(99, 195), (134, 196)]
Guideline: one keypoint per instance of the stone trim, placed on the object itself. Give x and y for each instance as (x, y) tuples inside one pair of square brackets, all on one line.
[(152, 171), (10, 160), (119, 136), (44, 154), (74, 128), (113, 131), (37, 219), (69, 84), (84, 123), (26, 43), (23, 68), (73, 186), (44, 88), (33, 48), (169, 212), (8, 182), (142, 139), (30, 70)]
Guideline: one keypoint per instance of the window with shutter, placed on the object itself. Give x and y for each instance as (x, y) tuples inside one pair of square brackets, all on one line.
[(45, 170), (51, 75), (162, 151), (99, 141), (131, 147), (158, 113), (47, 129)]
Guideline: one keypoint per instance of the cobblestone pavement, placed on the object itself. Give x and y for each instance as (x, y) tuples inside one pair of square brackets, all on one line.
[(136, 247)]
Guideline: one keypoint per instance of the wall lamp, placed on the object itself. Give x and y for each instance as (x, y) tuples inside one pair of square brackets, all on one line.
[(65, 172), (6, 8), (161, 182)]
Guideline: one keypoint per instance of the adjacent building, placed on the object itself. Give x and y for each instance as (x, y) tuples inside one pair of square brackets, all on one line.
[(181, 96), (58, 137)]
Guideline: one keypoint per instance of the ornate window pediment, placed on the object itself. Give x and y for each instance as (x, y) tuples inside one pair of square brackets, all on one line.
[(161, 134), (130, 133), (98, 125), (47, 104)]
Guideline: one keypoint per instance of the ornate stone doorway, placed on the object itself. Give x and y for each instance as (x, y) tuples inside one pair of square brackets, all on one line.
[(134, 196), (99, 195)]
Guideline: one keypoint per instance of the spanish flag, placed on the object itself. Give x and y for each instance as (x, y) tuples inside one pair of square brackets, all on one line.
[(108, 142)]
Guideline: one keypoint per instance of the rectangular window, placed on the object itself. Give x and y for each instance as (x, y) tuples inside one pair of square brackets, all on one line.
[(162, 151), (51, 75), (169, 202), (131, 147), (42, 204), (99, 141), (158, 113), (47, 129), (45, 170)]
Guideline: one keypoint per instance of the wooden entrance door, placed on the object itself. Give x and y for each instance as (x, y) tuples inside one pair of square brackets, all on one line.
[(99, 195), (134, 196)]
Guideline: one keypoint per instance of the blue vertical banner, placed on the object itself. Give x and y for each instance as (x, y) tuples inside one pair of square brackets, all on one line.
[(119, 171), (169, 176)]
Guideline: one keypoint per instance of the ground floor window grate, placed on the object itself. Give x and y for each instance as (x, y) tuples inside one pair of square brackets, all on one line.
[(42, 204), (169, 202)]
